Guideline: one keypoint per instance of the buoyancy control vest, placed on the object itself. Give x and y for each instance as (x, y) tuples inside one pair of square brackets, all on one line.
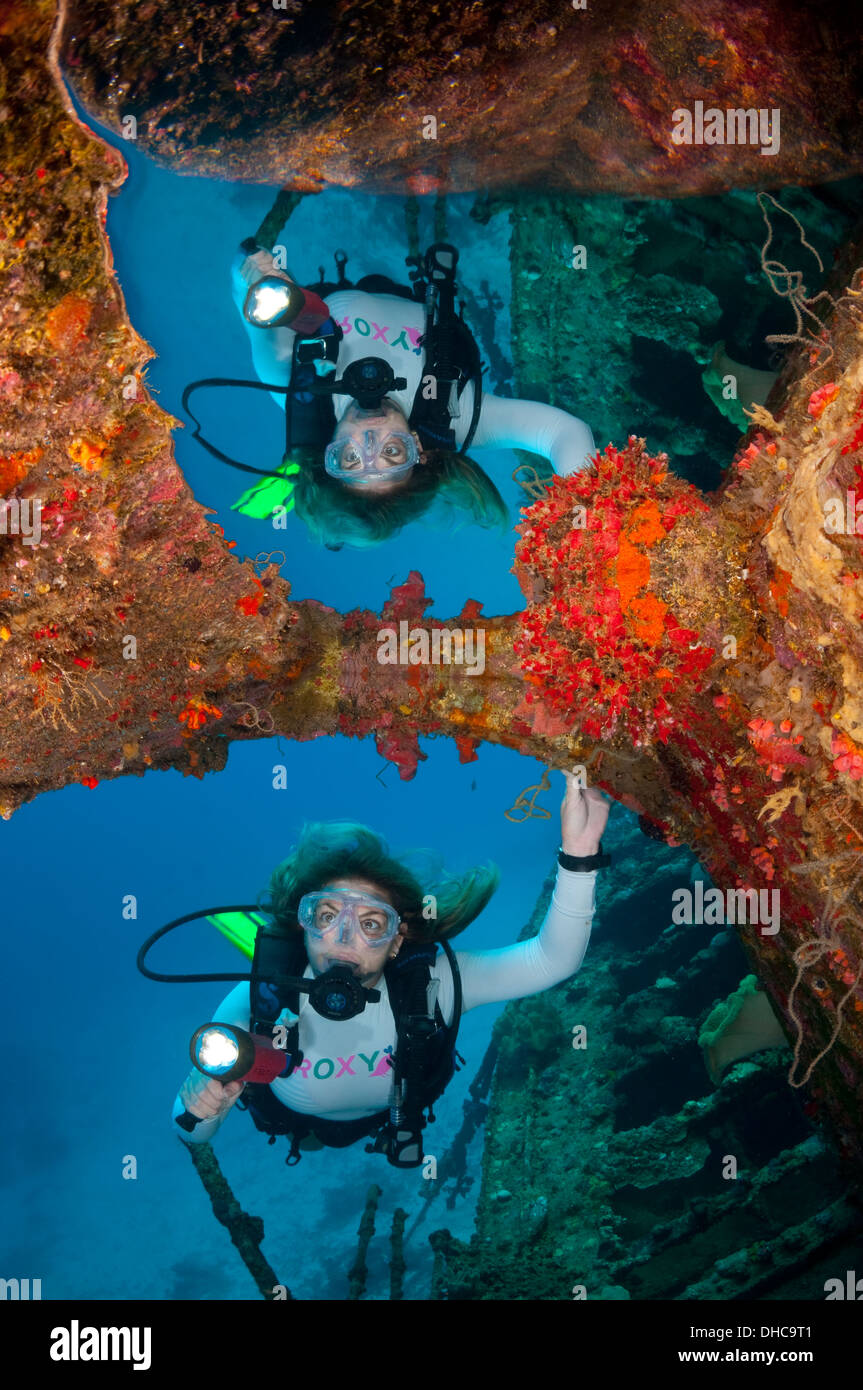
[(451, 357), (423, 1064)]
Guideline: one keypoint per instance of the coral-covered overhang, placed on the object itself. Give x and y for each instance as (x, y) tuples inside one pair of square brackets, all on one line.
[(464, 96)]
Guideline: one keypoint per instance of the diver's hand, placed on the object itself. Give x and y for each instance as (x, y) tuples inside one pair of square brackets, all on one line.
[(583, 817), (208, 1098), (259, 261)]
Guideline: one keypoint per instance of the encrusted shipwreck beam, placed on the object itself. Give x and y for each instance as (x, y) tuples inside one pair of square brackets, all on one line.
[(120, 627), (466, 95), (702, 659)]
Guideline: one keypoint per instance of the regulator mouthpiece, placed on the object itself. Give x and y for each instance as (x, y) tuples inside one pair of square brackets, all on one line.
[(368, 380), (338, 995)]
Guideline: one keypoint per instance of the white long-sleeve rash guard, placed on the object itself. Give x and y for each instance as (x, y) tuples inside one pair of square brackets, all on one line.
[(346, 1074), (382, 325)]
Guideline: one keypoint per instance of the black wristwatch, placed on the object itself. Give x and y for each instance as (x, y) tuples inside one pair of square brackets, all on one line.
[(584, 863)]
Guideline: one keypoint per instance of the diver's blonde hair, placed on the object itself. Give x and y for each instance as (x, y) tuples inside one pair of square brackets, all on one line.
[(347, 849)]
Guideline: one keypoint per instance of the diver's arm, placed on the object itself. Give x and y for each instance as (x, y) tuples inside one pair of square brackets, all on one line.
[(272, 348), (563, 439), (556, 953), (233, 1009)]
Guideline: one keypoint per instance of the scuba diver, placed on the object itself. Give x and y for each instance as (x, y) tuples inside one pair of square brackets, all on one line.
[(382, 391), (347, 1027)]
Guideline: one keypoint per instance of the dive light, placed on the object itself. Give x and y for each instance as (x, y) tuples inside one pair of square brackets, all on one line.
[(228, 1053), (274, 302)]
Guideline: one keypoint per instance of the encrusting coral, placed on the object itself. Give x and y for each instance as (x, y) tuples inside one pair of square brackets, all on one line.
[(535, 93), (597, 636)]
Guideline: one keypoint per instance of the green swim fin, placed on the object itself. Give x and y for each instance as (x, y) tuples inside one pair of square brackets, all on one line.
[(261, 500), (240, 928)]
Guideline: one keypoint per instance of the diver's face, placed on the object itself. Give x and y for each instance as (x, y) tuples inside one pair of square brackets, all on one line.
[(354, 424), (346, 945)]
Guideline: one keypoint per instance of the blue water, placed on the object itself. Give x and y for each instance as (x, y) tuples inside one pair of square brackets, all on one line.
[(95, 1053)]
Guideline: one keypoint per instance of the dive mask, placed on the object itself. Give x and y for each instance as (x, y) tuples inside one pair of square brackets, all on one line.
[(382, 454), (347, 912)]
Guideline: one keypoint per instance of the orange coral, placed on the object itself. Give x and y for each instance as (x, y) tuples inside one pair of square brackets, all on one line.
[(648, 621), (633, 572), (67, 323), (252, 602), (87, 452), (196, 712), (596, 646), (779, 589), (14, 467), (764, 859), (645, 527)]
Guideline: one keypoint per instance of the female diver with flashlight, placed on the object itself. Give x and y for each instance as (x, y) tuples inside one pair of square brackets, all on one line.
[(382, 391), (347, 1027), (381, 462)]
